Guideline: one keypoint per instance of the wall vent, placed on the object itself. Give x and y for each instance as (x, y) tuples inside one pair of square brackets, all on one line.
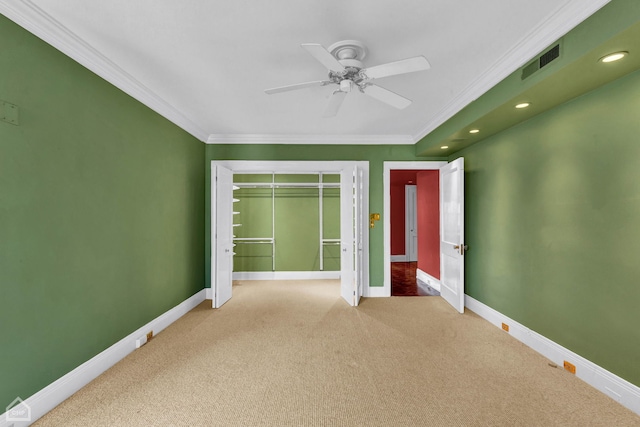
[(541, 61)]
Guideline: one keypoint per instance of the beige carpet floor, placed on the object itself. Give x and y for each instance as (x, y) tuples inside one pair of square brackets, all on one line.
[(295, 354)]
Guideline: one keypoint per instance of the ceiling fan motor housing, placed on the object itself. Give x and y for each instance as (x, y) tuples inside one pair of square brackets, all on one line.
[(349, 53)]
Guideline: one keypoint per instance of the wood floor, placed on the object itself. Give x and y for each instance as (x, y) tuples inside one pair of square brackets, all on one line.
[(403, 279), (404, 282)]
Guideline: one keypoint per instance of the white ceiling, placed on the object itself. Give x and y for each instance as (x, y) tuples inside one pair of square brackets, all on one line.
[(204, 64)]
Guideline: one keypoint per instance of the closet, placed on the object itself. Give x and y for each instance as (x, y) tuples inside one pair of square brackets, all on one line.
[(286, 222), (295, 220)]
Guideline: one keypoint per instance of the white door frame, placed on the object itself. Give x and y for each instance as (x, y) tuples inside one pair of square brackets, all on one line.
[(385, 290), (292, 167)]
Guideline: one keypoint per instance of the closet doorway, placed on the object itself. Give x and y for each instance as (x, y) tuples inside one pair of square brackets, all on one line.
[(445, 235), (348, 240)]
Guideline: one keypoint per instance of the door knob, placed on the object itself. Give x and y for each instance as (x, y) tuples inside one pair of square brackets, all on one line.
[(461, 248)]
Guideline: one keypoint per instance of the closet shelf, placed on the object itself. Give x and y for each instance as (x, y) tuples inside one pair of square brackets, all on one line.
[(330, 241)]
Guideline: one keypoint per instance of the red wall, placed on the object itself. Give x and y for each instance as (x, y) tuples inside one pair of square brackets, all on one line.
[(429, 222), (398, 179)]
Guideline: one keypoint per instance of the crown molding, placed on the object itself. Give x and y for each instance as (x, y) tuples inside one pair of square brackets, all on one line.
[(312, 139), (33, 19), (559, 23)]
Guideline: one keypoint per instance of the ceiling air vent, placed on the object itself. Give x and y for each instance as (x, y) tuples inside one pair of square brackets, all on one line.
[(543, 60)]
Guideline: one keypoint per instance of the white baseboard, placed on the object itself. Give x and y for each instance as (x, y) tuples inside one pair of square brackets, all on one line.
[(619, 389), (55, 393), (399, 258), (377, 292), (286, 275), (428, 279), (208, 293)]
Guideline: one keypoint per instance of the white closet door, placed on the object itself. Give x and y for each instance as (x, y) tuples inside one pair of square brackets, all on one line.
[(452, 233), (347, 276), (222, 234), (358, 209)]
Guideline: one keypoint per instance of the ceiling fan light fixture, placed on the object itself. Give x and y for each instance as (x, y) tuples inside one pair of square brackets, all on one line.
[(345, 85)]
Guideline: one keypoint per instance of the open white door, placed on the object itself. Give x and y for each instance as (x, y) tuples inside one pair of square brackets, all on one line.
[(222, 234), (348, 245), (411, 222), (359, 215), (354, 205), (452, 245)]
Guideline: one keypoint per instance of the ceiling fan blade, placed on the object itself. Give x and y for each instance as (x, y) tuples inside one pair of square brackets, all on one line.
[(334, 103), (296, 87), (386, 96), (324, 56), (418, 63)]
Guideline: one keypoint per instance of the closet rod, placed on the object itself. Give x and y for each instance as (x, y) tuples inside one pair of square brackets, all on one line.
[(288, 185)]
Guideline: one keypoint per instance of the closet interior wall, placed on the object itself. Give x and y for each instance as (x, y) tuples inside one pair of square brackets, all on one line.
[(287, 222)]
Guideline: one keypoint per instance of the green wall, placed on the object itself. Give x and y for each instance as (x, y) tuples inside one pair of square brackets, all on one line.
[(552, 208), (295, 228), (374, 154), (101, 215)]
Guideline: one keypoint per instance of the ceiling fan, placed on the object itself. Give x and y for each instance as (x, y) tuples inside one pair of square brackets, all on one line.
[(344, 62)]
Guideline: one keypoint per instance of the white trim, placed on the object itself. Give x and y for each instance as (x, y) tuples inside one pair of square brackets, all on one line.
[(55, 393), (398, 258), (427, 279), (386, 216), (29, 16), (627, 394), (558, 23), (286, 275), (208, 293), (280, 166), (376, 292), (311, 139)]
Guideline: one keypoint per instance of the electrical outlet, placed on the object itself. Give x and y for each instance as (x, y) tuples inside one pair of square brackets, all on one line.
[(570, 367), (505, 327), (149, 335)]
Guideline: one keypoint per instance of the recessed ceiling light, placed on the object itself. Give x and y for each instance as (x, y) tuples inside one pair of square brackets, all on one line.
[(444, 147), (523, 105), (616, 56), (474, 131)]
